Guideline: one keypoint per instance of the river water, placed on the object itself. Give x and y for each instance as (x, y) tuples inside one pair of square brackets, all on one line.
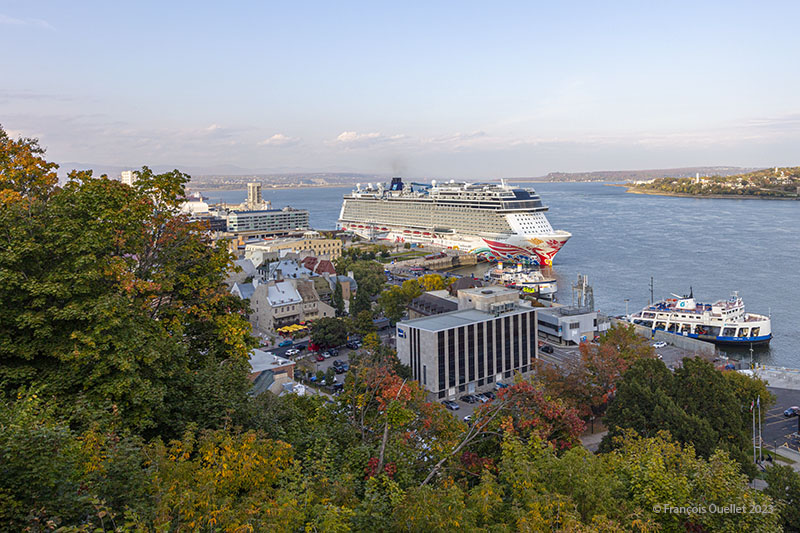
[(620, 240)]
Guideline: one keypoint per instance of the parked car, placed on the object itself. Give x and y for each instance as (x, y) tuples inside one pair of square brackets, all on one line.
[(450, 404), (292, 351), (546, 348), (326, 354), (792, 411), (319, 357), (301, 347), (469, 398), (482, 397), (340, 367), (490, 394), (498, 385), (659, 344), (287, 342), (468, 420), (353, 345), (334, 352)]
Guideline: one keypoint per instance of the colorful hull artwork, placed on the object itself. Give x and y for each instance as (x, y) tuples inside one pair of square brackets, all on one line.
[(537, 251)]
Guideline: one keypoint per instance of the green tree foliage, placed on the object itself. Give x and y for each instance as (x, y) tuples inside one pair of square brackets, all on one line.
[(109, 293), (783, 486), (394, 300), (338, 298), (328, 332), (696, 404)]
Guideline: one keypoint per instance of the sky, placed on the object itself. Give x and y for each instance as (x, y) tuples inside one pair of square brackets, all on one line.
[(437, 89)]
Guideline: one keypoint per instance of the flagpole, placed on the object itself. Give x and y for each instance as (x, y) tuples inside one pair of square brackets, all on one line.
[(760, 443), (754, 431)]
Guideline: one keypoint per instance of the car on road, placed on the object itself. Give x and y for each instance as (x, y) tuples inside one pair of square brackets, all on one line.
[(659, 344), (287, 342), (546, 348), (792, 411), (320, 357), (292, 351), (450, 404)]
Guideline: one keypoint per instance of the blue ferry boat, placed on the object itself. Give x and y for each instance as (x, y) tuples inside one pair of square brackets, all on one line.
[(723, 322)]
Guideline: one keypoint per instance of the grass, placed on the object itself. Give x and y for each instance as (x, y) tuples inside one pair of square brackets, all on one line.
[(779, 457)]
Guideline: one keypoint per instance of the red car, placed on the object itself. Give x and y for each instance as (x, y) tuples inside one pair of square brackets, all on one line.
[(320, 357)]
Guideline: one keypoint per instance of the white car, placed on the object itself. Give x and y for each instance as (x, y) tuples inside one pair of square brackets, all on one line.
[(659, 344), (292, 351)]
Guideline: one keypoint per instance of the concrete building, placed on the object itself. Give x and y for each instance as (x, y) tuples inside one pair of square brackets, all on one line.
[(128, 177), (572, 325), (432, 303), (267, 222), (311, 241), (492, 335)]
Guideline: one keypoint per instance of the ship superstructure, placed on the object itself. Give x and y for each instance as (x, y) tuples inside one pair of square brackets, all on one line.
[(494, 220), (722, 322)]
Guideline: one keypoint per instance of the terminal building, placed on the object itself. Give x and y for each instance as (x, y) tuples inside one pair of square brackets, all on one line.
[(491, 335)]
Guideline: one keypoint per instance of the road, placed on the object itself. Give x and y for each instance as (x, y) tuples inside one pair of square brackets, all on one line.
[(776, 429)]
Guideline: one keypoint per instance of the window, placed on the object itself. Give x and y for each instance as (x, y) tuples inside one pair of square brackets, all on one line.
[(462, 367)]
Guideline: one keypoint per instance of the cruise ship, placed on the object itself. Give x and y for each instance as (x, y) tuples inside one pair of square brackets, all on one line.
[(723, 322), (492, 220)]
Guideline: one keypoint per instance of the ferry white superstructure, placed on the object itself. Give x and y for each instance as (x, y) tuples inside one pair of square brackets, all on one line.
[(493, 220), (723, 322)]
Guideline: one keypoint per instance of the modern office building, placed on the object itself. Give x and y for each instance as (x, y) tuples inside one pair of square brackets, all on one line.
[(128, 177), (492, 335), (268, 222)]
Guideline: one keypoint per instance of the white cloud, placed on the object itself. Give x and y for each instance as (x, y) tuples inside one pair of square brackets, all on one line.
[(352, 139), (12, 21), (279, 139)]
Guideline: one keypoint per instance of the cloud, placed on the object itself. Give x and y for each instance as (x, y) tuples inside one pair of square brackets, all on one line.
[(352, 139), (12, 21), (279, 139)]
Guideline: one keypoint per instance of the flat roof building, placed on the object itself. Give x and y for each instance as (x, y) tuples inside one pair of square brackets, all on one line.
[(491, 336), (268, 221)]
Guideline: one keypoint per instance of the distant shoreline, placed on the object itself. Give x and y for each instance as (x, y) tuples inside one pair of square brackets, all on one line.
[(632, 190), (243, 187)]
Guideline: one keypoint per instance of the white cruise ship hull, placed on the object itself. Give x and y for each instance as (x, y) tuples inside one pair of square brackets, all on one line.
[(496, 222)]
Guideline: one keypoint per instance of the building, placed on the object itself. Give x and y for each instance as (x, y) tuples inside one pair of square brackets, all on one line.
[(572, 325), (491, 336), (311, 241), (269, 372), (432, 303), (128, 177), (267, 222), (313, 306)]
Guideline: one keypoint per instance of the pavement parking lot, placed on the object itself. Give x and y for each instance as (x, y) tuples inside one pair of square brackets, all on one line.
[(778, 430)]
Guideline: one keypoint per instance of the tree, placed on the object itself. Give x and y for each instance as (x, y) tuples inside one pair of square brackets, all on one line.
[(783, 486), (361, 303), (131, 304), (338, 298), (695, 404), (328, 332)]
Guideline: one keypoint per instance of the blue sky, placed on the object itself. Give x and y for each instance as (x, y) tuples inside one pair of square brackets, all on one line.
[(463, 89)]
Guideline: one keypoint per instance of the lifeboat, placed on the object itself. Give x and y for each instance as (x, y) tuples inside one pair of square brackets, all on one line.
[(416, 233), (427, 234)]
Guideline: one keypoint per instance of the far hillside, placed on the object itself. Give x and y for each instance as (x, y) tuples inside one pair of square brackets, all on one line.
[(776, 182)]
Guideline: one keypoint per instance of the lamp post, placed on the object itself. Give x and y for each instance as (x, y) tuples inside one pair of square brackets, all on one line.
[(626, 307)]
